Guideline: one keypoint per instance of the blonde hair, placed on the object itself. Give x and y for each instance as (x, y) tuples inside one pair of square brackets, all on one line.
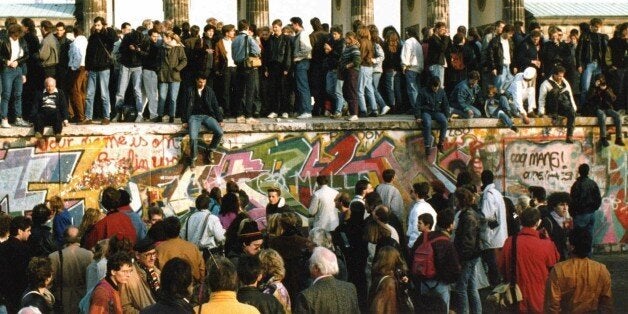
[(272, 264), (90, 218), (172, 35), (56, 204)]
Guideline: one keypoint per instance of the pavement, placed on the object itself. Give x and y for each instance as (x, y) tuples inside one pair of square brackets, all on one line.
[(617, 265)]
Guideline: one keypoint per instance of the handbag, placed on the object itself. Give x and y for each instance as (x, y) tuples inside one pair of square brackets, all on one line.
[(506, 296), (251, 61)]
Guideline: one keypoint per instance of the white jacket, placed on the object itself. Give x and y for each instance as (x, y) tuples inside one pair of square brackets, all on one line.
[(419, 208), (412, 55), (323, 208), (522, 91), (210, 237), (546, 86), (494, 208)]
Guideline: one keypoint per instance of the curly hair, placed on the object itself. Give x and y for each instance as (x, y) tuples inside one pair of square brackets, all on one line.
[(272, 264), (39, 271)]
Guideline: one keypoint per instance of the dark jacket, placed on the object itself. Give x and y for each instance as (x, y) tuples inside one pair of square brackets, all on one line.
[(174, 61), (328, 295), (61, 102), (278, 49), (99, 50), (602, 99), (619, 52), (526, 53), (585, 197), (208, 98), (333, 58), (265, 303), (557, 234), (495, 54), (555, 54), (34, 299), (41, 242), (467, 239), (5, 54), (167, 305), (152, 56), (280, 207), (431, 101), (295, 251), (591, 47), (14, 258), (439, 50), (131, 58)]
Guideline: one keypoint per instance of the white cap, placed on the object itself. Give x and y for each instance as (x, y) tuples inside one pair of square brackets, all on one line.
[(529, 73)]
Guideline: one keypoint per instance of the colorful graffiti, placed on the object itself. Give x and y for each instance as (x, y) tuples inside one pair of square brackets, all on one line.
[(151, 167)]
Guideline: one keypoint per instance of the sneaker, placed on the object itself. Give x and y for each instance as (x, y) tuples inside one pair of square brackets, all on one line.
[(241, 119), (272, 115), (327, 113), (514, 128), (58, 137), (5, 123), (385, 110), (86, 122), (251, 121), (336, 115), (352, 118), (21, 122), (285, 115), (619, 141), (305, 116), (139, 119), (105, 121), (38, 135), (604, 142)]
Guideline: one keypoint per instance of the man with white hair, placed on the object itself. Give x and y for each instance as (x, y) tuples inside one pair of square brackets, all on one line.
[(327, 294), (51, 109)]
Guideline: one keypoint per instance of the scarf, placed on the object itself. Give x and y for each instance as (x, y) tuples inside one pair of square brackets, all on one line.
[(559, 220), (152, 278)]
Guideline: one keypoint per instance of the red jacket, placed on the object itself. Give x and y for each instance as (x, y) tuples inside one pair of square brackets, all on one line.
[(535, 258), (109, 226)]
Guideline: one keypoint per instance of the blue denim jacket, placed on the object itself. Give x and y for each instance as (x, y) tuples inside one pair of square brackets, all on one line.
[(431, 101), (464, 96), (239, 49)]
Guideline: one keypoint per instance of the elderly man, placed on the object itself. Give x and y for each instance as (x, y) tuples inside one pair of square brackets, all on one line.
[(51, 110), (327, 294), (143, 285), (69, 267)]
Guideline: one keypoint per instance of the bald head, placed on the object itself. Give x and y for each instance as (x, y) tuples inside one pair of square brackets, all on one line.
[(50, 84), (71, 235)]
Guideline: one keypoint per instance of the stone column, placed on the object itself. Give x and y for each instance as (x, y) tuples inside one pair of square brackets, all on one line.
[(437, 11), (90, 10), (513, 10), (362, 10), (177, 10), (257, 12)]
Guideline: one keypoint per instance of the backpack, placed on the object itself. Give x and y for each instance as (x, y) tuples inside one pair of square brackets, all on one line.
[(457, 61), (423, 262), (557, 99)]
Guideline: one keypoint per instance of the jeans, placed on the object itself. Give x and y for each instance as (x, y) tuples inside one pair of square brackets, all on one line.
[(464, 114), (467, 295), (365, 89), (413, 80), (427, 117), (194, 123), (392, 87), (588, 72), (438, 71), (333, 86), (149, 80), (102, 79), (570, 114), (438, 287), (135, 75), (166, 89), (585, 221), (304, 104), (12, 85), (601, 121), (503, 76), (378, 97), (508, 107)]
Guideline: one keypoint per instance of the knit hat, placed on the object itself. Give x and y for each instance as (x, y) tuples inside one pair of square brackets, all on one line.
[(248, 231), (529, 73), (144, 245)]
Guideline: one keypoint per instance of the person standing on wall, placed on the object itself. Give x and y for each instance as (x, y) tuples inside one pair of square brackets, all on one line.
[(14, 54), (302, 53), (243, 47)]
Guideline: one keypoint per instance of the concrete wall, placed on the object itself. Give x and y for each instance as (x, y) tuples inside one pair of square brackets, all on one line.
[(147, 158)]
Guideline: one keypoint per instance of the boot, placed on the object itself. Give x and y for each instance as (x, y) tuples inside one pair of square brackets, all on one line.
[(619, 141)]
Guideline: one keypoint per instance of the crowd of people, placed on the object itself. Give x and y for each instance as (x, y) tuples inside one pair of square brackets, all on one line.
[(368, 253), (242, 71)]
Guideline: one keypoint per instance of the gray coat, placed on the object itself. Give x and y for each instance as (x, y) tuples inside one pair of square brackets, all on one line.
[(49, 51), (328, 295)]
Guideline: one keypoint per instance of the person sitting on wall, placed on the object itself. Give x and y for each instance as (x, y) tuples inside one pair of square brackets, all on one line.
[(51, 110), (556, 96), (493, 108), (600, 100), (433, 104), (202, 109), (522, 88), (465, 95)]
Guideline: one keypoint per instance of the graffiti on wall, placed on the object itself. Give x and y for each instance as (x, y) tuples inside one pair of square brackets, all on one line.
[(151, 167)]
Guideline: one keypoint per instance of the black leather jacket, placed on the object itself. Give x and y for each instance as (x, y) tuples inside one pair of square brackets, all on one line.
[(5, 54), (278, 49), (495, 54)]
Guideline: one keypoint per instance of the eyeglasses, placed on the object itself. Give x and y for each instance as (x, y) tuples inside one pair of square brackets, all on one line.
[(126, 271), (150, 254)]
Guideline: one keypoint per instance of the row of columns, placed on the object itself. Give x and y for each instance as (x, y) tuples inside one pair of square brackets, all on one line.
[(256, 11)]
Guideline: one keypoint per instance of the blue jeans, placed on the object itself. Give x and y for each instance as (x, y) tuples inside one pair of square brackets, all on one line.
[(365, 89), (12, 85), (503, 76), (102, 79), (333, 87), (378, 97), (194, 124), (465, 115), (304, 104), (166, 89), (392, 87), (588, 72), (427, 127), (438, 71), (413, 80), (135, 75), (601, 121), (585, 221), (508, 107), (149, 80), (438, 287), (467, 295)]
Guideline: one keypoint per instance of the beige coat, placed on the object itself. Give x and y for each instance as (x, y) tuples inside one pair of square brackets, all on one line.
[(75, 262), (136, 294), (188, 251)]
